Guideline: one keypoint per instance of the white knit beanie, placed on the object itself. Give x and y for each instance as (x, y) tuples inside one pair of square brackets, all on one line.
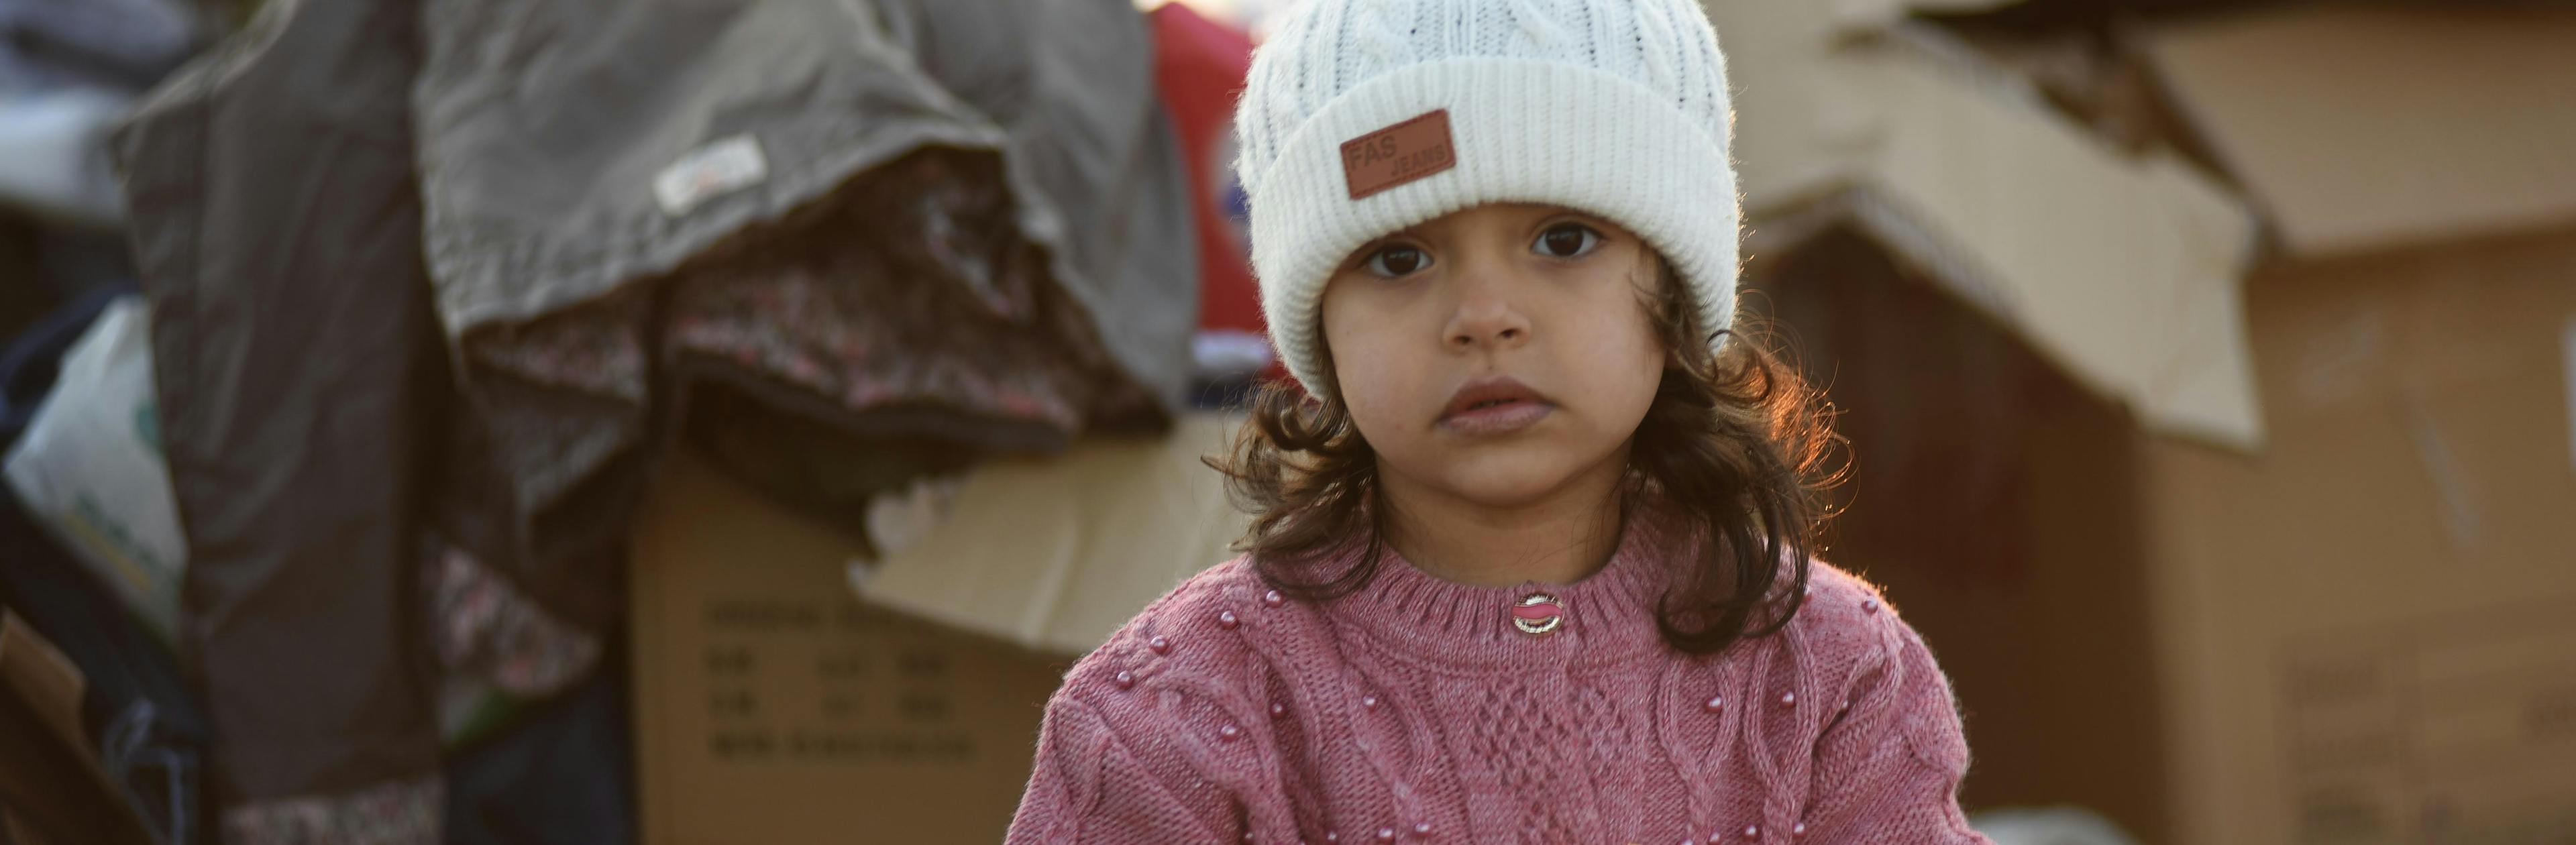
[(1363, 117)]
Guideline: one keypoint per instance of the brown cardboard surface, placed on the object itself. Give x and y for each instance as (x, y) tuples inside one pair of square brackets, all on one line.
[(1875, 14), (2361, 126), (2366, 630), (2121, 268), (51, 786), (2362, 633), (1996, 501), (772, 706), (2349, 634), (41, 676), (1801, 124), (1056, 553)]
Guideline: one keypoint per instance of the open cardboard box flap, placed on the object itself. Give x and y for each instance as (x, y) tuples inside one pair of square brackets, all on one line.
[(2125, 270), (2359, 127), (1056, 553)]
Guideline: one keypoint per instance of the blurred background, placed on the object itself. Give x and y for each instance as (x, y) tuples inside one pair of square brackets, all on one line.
[(565, 421)]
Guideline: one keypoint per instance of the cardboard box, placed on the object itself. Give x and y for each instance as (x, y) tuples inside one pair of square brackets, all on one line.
[(2359, 635), (51, 786), (2122, 269), (2357, 632), (2370, 631), (773, 707), (2360, 127), (2370, 639), (1999, 503)]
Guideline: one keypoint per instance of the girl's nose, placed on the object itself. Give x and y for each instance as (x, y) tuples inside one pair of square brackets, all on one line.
[(1485, 318)]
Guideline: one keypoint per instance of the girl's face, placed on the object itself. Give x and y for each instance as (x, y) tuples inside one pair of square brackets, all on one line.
[(1497, 354)]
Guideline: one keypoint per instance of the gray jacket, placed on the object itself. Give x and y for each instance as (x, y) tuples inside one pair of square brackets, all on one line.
[(338, 207)]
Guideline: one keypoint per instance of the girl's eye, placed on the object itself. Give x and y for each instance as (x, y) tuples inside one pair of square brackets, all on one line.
[(1397, 260), (1567, 240)]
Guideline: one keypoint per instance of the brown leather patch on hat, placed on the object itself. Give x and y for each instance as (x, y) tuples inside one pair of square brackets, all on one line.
[(1398, 154)]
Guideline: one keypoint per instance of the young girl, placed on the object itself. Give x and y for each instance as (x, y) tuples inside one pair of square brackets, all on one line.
[(1530, 557)]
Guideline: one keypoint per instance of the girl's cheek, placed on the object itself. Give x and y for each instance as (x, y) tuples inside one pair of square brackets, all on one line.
[(1377, 393)]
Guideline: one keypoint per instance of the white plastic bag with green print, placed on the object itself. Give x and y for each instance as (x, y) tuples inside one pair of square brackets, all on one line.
[(90, 467)]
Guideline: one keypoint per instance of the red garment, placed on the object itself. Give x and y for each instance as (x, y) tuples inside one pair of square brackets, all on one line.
[(1199, 68)]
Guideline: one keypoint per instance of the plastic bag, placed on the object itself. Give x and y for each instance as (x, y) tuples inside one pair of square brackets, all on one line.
[(90, 468)]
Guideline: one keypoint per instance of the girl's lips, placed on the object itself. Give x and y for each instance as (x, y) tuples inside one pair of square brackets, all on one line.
[(1504, 418), (1494, 405)]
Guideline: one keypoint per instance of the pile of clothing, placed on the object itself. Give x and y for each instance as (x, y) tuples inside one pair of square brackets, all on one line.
[(430, 288)]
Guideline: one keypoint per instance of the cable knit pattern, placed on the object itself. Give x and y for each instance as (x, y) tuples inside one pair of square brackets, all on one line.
[(1415, 712), (1613, 107)]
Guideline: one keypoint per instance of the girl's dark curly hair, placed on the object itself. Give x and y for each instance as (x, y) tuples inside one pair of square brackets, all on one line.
[(1735, 443)]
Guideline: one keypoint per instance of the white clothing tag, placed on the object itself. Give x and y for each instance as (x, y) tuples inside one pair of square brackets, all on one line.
[(712, 170)]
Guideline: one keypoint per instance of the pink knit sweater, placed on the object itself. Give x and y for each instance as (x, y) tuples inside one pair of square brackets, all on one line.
[(1415, 711)]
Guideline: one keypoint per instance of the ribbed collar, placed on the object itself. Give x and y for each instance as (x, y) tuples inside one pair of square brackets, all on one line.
[(1608, 615)]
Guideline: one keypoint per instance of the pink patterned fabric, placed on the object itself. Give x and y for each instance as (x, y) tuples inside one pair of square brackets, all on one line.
[(1415, 711)]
